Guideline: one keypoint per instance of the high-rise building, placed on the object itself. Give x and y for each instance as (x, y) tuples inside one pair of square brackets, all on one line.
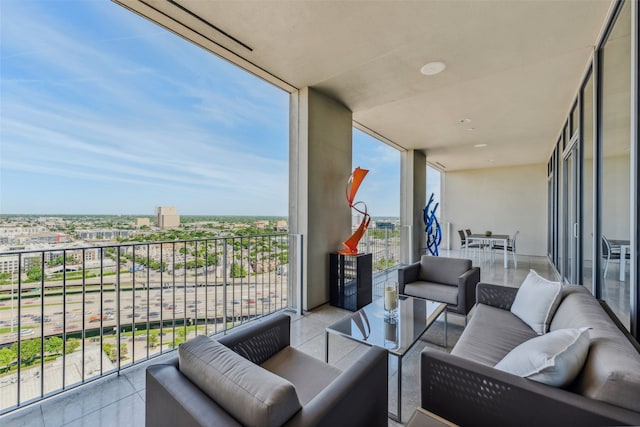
[(167, 217)]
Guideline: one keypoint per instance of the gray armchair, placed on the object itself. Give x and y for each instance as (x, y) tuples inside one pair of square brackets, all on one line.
[(327, 396), (449, 280)]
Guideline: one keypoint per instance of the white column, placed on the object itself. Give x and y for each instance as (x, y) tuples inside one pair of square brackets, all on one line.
[(319, 167), (413, 187)]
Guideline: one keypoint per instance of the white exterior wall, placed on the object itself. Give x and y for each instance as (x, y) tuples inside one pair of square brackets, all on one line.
[(502, 200)]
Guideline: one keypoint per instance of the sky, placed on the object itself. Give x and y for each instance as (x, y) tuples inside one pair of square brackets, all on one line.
[(103, 112)]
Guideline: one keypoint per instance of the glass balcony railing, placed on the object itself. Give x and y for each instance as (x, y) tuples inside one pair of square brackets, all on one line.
[(384, 245), (69, 316)]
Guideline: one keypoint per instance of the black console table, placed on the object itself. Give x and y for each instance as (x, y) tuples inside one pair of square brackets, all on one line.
[(350, 285)]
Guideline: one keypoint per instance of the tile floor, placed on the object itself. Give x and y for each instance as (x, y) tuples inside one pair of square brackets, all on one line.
[(119, 400)]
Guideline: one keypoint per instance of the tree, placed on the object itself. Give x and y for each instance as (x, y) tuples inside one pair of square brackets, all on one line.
[(124, 350), (7, 356), (110, 350), (72, 345), (238, 271), (153, 340), (35, 273), (53, 345), (29, 350)]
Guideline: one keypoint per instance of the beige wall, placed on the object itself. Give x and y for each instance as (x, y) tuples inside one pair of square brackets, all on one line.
[(320, 165), (502, 200)]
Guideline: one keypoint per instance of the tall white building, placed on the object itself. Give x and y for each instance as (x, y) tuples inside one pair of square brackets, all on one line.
[(167, 217)]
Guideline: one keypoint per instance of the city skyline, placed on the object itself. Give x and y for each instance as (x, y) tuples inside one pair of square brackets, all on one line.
[(105, 113)]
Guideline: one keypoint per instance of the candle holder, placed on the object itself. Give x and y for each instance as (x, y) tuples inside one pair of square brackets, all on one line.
[(391, 300), (391, 330)]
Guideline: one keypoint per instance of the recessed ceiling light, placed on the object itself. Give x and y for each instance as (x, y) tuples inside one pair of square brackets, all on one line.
[(480, 145), (433, 68)]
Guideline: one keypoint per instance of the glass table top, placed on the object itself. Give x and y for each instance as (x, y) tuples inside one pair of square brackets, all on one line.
[(369, 326)]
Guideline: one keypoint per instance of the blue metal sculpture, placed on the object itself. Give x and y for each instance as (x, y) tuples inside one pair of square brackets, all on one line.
[(434, 232)]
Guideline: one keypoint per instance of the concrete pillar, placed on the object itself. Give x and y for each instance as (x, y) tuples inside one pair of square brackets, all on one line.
[(413, 188), (320, 165)]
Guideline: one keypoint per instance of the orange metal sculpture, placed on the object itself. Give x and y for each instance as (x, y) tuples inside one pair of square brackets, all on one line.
[(351, 244)]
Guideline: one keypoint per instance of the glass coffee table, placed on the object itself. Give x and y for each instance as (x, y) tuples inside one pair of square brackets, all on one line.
[(369, 326)]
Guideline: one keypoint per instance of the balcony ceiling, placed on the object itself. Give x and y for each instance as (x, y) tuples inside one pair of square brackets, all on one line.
[(513, 67)]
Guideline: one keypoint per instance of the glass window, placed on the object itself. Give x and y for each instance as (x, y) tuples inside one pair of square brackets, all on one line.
[(434, 186), (574, 121), (105, 113), (587, 184), (118, 116), (615, 221), (380, 190)]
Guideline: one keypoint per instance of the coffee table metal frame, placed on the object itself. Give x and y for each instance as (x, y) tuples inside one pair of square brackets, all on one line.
[(369, 326)]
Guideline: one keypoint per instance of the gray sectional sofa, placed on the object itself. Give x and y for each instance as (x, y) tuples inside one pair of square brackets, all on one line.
[(465, 388), (253, 377)]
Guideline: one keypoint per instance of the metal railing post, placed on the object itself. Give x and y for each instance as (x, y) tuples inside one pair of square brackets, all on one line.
[(118, 311), (300, 278), (386, 248), (224, 285)]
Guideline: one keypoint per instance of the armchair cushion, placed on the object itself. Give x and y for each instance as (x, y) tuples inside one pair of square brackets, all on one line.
[(433, 291), (490, 335), (443, 270), (308, 375), (251, 394)]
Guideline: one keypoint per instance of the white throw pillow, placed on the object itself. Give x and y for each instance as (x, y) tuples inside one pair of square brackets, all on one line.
[(554, 359), (536, 302)]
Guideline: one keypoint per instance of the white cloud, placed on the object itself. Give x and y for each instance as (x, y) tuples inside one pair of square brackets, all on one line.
[(136, 107)]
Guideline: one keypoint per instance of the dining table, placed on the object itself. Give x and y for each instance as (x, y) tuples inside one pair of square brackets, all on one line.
[(490, 239)]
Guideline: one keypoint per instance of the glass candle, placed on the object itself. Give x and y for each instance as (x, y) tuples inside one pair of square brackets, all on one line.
[(390, 298)]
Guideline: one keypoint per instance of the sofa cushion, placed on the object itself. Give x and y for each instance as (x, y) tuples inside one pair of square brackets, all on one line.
[(612, 370), (308, 375), (442, 270), (433, 291), (536, 301), (251, 394), (491, 334), (554, 359)]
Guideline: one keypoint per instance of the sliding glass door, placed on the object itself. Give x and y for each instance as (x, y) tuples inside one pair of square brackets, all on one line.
[(586, 196), (615, 166), (571, 162)]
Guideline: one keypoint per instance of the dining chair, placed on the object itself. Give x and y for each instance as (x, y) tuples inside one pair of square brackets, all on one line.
[(610, 252), (464, 243), (463, 239), (511, 247)]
